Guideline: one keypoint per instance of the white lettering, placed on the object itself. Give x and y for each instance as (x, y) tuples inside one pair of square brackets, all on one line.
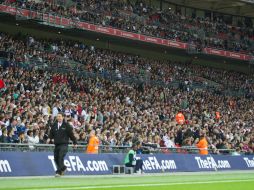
[(127, 35), (250, 163), (209, 162), (73, 162), (68, 165), (216, 52), (174, 44), (234, 55), (51, 158), (151, 159), (80, 165), (151, 39), (103, 29), (147, 165), (89, 165), (103, 165), (157, 165), (96, 166), (168, 164), (5, 166)]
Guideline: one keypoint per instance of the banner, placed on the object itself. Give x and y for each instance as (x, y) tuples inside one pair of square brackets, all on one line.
[(42, 163), (233, 55), (67, 22)]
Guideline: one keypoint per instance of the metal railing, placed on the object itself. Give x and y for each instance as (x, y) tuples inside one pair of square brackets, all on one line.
[(24, 147), (19, 147)]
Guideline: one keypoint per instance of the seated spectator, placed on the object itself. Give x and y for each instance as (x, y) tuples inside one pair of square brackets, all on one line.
[(11, 137), (4, 136), (32, 139)]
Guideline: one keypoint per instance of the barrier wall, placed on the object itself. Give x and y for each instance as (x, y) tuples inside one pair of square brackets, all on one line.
[(67, 22), (42, 163)]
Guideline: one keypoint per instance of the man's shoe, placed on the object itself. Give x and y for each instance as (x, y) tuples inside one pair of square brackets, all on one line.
[(57, 175), (64, 169)]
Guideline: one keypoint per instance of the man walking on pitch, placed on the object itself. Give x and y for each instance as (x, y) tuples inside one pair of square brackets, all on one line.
[(60, 133)]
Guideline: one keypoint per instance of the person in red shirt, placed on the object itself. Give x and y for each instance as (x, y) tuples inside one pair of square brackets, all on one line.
[(2, 84), (180, 119), (217, 115)]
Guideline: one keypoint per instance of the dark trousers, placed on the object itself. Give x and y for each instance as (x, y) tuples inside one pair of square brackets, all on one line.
[(138, 166), (59, 154)]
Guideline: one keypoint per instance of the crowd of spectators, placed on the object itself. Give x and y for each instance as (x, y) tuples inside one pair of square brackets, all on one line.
[(22, 49), (140, 17), (121, 113)]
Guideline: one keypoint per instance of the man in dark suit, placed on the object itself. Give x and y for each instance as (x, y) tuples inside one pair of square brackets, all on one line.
[(60, 134)]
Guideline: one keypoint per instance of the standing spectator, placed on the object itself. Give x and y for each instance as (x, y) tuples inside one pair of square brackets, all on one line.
[(202, 145), (93, 145)]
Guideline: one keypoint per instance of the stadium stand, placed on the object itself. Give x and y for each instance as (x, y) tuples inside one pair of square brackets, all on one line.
[(124, 97), (139, 17)]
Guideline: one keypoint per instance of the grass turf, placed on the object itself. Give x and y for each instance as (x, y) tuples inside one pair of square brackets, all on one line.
[(177, 181)]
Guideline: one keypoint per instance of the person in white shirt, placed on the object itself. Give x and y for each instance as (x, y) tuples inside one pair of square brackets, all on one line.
[(31, 139), (54, 111), (168, 143)]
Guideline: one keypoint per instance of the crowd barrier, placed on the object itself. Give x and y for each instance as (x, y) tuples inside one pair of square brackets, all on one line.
[(42, 163)]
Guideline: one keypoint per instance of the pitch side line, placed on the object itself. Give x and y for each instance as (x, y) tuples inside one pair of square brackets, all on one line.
[(142, 185)]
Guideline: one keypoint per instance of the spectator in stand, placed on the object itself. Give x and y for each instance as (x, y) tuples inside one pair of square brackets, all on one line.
[(139, 17), (2, 85), (32, 139), (124, 111), (4, 135)]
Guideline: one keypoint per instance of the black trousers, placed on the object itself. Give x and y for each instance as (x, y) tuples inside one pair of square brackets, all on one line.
[(138, 166), (59, 154)]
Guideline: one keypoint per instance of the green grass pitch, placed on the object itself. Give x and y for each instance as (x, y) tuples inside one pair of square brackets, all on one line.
[(175, 181)]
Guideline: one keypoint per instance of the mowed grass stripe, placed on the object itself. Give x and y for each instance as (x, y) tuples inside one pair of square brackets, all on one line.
[(143, 185), (124, 185), (114, 180)]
